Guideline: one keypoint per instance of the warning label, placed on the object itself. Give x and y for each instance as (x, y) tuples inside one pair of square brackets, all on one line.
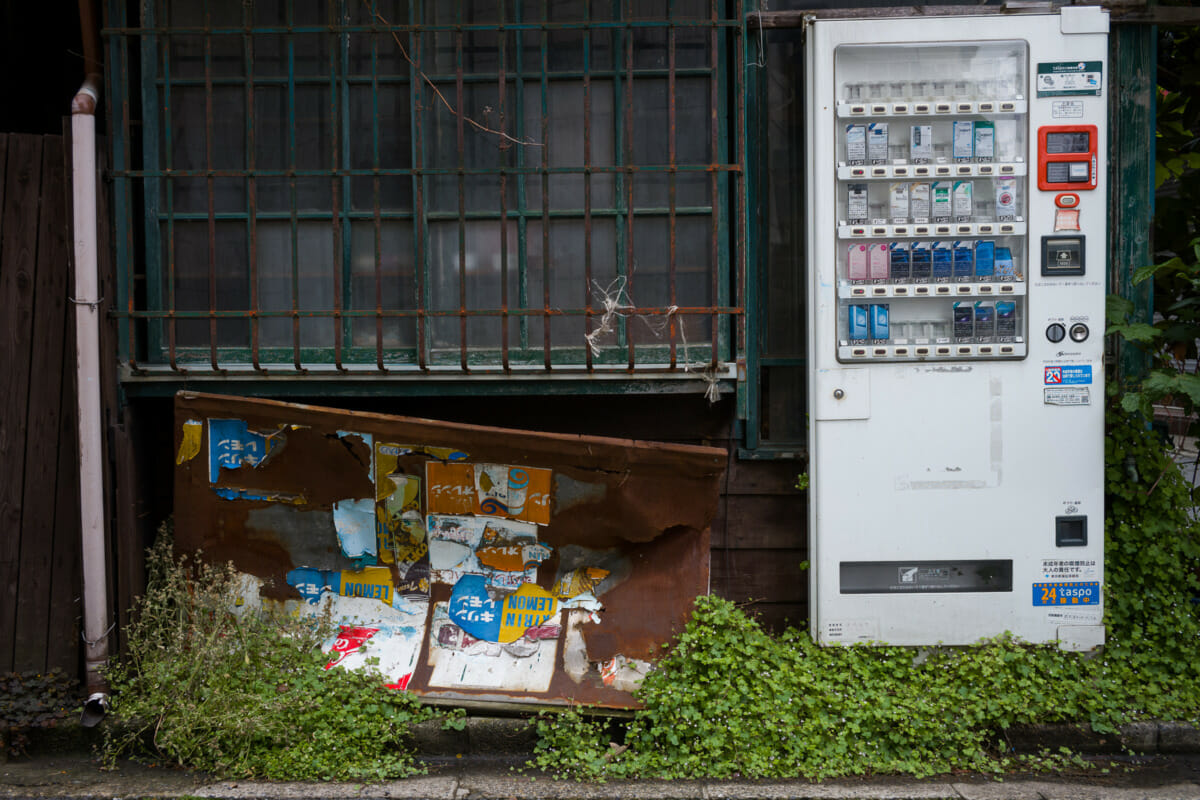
[(1069, 569), (1067, 396)]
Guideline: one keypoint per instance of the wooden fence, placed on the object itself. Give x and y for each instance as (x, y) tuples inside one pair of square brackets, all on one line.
[(39, 499)]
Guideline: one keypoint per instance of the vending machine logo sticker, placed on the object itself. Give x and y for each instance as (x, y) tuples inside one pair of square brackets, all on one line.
[(1064, 78), (1067, 593), (1072, 375)]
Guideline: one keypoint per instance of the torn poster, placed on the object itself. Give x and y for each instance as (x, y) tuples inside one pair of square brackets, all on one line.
[(232, 445), (354, 521), (461, 545), (390, 650), (519, 493), (461, 661), (473, 610), (373, 583), (189, 444)]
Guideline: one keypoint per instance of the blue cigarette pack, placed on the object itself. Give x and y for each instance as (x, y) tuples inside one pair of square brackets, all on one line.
[(899, 258), (985, 321), (964, 321), (1006, 320), (1004, 264), (943, 261), (964, 260), (921, 261), (857, 320), (985, 259), (879, 321)]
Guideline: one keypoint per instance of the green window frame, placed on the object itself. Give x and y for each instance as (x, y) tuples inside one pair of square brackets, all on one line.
[(383, 188)]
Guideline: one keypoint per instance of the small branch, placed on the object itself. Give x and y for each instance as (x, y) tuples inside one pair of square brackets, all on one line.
[(505, 139)]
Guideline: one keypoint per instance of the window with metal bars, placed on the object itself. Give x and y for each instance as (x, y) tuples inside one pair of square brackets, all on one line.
[(375, 185)]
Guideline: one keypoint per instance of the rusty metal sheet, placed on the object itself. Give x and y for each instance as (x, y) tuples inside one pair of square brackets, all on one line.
[(477, 564)]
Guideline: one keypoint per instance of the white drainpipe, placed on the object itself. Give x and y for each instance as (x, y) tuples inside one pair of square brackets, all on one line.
[(87, 346)]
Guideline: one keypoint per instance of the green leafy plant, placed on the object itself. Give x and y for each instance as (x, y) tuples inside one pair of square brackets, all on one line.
[(852, 710), (247, 693)]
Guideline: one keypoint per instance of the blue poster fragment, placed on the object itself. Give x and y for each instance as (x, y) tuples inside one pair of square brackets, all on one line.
[(231, 445), (354, 521)]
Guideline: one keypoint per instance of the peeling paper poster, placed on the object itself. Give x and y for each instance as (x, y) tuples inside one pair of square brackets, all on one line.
[(393, 651), (354, 521), (189, 443), (497, 490), (232, 445), (460, 545), (373, 583), (460, 660), (450, 488), (473, 610), (513, 492)]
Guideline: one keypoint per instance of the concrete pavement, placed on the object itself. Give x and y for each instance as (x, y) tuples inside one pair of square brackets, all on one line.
[(79, 775)]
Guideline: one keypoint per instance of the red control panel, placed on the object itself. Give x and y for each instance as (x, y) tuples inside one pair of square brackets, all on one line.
[(1067, 158)]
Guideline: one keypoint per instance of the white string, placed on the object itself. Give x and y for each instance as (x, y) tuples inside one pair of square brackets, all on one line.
[(610, 298), (617, 303)]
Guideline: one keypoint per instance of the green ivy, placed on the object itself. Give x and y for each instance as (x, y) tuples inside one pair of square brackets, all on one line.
[(833, 711), (247, 694)]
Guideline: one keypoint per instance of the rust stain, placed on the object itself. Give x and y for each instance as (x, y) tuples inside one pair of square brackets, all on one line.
[(625, 529)]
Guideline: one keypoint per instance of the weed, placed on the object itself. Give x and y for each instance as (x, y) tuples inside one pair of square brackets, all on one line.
[(247, 693)]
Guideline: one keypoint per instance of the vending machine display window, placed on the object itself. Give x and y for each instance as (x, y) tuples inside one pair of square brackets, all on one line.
[(930, 144)]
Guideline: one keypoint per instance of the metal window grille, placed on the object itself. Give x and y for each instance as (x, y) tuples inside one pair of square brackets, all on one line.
[(373, 186)]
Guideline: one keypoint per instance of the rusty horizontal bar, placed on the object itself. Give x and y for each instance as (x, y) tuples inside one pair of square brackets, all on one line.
[(549, 27), (365, 78), (370, 313), (367, 172)]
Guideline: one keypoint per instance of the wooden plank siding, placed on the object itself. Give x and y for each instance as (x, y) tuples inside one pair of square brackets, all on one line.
[(39, 524)]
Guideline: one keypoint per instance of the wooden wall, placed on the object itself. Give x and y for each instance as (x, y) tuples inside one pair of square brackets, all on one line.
[(39, 516)]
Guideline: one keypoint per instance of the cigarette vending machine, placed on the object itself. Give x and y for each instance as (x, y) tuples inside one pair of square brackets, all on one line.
[(957, 240)]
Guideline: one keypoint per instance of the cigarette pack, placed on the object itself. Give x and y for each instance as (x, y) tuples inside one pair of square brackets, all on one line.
[(920, 144), (877, 262), (985, 321), (985, 141), (963, 191), (941, 199), (943, 261), (879, 322), (1006, 198), (1005, 269), (1006, 320), (918, 201), (899, 261), (921, 262), (964, 321), (898, 196), (856, 262), (856, 201), (856, 144), (985, 259), (877, 142), (964, 261), (963, 140), (857, 322)]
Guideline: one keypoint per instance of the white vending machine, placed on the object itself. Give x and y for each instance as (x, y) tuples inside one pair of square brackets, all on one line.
[(956, 248)]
